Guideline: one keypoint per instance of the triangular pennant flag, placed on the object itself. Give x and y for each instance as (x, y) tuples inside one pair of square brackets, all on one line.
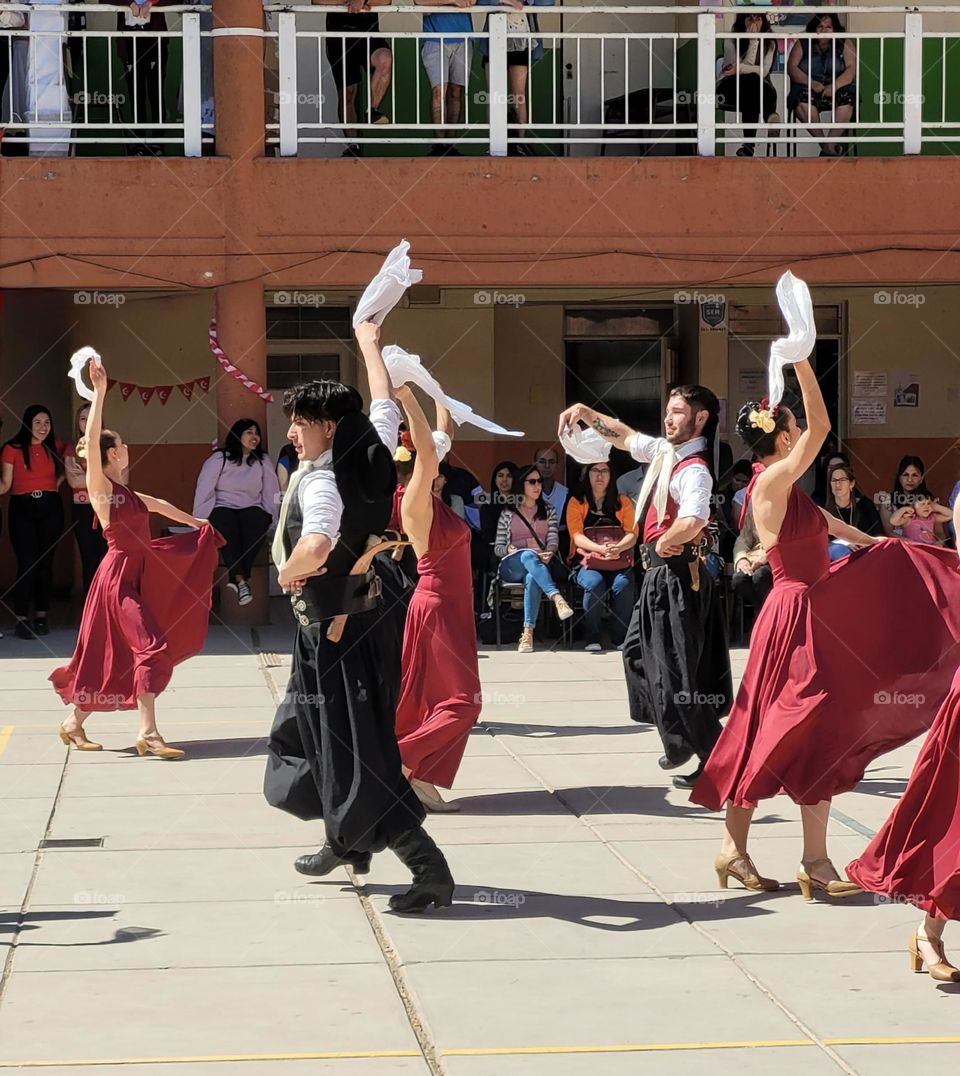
[(187, 389), (126, 390), (203, 383), (163, 392), (110, 383), (145, 393)]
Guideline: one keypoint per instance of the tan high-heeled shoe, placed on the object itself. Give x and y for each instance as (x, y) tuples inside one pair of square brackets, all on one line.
[(943, 971), (81, 745), (431, 798), (163, 751), (834, 888), (747, 876)]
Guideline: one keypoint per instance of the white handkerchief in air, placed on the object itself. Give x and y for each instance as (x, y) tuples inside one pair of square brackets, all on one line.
[(585, 445), (387, 287), (793, 295), (78, 363)]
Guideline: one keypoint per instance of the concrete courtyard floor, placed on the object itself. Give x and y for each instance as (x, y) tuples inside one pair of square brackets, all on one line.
[(588, 933)]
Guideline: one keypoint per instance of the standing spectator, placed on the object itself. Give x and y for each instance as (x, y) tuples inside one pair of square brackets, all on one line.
[(350, 57), (237, 490), (86, 529), (546, 461), (846, 503), (31, 470), (602, 536), (522, 53), (744, 84), (446, 60), (527, 541), (822, 74), (144, 57), (629, 483), (910, 472)]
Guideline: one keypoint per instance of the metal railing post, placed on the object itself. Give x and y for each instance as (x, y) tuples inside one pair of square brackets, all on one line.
[(192, 95), (912, 82), (289, 140), (706, 84), (498, 89)]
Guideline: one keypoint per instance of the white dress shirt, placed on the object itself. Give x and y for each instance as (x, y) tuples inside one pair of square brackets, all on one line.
[(692, 487), (321, 505)]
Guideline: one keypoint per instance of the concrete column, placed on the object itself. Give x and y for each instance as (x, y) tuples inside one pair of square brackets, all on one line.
[(238, 78)]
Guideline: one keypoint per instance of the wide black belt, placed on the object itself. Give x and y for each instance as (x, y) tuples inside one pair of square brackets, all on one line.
[(323, 599), (650, 558)]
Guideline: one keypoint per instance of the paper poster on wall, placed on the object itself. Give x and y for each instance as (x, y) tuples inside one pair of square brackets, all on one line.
[(868, 413), (869, 383), (752, 382), (906, 389)]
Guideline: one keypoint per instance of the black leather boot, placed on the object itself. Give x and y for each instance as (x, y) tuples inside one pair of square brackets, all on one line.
[(323, 862), (432, 880)]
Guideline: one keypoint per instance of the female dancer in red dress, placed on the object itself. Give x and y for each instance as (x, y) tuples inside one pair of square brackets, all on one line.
[(916, 855), (440, 692), (828, 685), (149, 602)]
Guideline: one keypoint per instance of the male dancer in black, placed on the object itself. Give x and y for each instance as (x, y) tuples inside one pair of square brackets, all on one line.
[(333, 751), (675, 657)]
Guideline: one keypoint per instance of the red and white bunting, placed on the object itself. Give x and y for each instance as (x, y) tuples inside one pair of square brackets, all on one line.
[(234, 371)]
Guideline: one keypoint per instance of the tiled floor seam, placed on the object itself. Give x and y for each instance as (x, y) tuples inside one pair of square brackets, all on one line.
[(757, 983)]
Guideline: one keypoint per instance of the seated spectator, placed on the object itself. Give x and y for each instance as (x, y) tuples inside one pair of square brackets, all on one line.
[(31, 470), (446, 60), (752, 576), (459, 482), (86, 528), (822, 74), (823, 467), (848, 505), (603, 533), (522, 51), (910, 472), (744, 84), (144, 57), (527, 541), (237, 490), (491, 505), (350, 58), (918, 521), (729, 507), (287, 463)]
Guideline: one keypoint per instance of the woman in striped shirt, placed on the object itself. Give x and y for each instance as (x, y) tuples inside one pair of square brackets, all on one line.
[(527, 540)]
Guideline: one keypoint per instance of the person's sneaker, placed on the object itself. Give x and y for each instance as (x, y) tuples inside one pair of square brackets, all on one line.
[(24, 631), (593, 648), (377, 117), (564, 612), (232, 586), (244, 594), (40, 626), (526, 643)]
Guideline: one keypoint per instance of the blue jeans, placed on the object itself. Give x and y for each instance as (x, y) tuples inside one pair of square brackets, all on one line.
[(595, 585), (527, 568), (838, 551)]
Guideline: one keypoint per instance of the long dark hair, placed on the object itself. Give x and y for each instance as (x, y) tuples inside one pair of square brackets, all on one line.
[(611, 499), (740, 27), (233, 446), (503, 465), (899, 497), (760, 443), (519, 482), (23, 438)]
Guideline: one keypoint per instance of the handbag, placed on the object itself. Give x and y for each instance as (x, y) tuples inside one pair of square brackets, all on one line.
[(602, 536)]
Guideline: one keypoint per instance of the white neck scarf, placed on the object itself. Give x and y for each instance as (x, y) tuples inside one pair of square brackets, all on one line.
[(277, 550), (657, 479)]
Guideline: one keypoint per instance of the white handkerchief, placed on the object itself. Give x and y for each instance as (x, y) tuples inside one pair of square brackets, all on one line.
[(793, 295), (585, 445), (78, 363), (403, 367), (387, 287)]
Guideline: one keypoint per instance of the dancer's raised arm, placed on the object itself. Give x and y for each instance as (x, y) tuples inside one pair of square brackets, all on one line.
[(368, 337), (416, 508), (618, 433), (99, 487)]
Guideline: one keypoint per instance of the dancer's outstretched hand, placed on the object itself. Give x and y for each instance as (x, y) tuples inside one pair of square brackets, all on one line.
[(368, 332), (573, 415), (98, 376)]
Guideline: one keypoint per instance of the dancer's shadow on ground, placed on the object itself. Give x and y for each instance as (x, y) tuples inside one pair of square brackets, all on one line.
[(479, 904), (237, 747), (10, 923), (887, 788)]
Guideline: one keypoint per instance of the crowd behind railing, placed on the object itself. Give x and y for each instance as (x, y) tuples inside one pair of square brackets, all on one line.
[(488, 77), (532, 536)]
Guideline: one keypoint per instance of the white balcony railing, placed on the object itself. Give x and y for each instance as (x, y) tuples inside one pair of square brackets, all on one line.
[(76, 78), (639, 79)]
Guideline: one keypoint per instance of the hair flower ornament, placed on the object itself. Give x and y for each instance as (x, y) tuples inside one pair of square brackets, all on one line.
[(402, 455), (763, 420)]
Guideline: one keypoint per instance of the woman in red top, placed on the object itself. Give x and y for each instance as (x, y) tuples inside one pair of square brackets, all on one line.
[(86, 530), (31, 470)]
